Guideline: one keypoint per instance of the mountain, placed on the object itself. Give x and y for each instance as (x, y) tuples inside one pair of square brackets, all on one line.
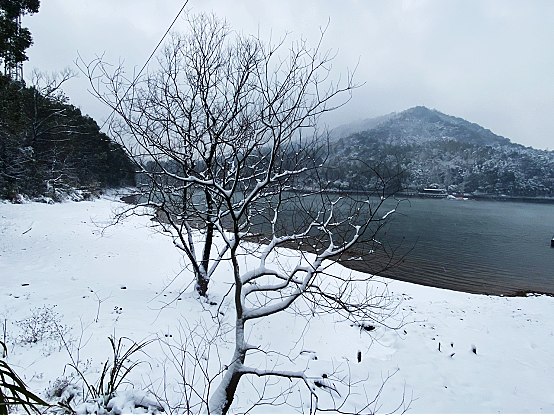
[(421, 124), (427, 148)]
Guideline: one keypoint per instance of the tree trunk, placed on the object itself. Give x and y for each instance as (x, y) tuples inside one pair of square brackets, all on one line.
[(222, 398), (202, 280)]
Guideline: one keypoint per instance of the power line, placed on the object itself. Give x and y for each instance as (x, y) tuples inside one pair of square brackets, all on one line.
[(146, 63)]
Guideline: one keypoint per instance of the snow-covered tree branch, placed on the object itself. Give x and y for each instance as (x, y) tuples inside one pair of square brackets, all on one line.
[(225, 133)]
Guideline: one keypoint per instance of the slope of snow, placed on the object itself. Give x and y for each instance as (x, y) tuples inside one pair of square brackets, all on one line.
[(495, 353)]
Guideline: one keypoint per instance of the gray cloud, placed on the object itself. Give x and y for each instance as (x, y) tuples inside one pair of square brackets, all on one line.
[(489, 61)]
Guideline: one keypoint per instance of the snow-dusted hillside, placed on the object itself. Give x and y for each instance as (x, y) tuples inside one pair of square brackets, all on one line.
[(419, 125), (121, 280), (426, 147)]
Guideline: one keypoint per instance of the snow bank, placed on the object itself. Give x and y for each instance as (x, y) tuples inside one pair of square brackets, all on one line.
[(457, 353)]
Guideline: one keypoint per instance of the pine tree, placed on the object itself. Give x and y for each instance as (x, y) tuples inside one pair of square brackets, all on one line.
[(14, 39)]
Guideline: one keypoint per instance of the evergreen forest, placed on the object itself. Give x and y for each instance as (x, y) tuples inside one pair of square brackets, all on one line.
[(49, 149)]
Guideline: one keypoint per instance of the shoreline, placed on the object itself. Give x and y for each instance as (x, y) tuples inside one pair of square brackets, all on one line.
[(471, 197), (130, 199), (417, 271), (465, 285)]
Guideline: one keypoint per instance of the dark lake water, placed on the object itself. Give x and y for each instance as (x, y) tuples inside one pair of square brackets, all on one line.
[(474, 246)]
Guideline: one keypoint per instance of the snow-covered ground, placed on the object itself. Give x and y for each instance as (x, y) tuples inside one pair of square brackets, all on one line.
[(495, 352)]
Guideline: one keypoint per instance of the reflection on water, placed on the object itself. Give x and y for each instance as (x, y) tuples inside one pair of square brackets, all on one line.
[(475, 246)]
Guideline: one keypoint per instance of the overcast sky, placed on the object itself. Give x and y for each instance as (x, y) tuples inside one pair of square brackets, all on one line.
[(488, 61)]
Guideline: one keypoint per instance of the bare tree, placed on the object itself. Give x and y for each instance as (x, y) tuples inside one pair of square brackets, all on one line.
[(225, 133)]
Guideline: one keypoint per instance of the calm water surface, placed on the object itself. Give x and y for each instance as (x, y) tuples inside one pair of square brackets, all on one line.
[(475, 246)]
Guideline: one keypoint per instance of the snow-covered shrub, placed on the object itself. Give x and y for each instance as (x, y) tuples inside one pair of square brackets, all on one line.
[(20, 199), (43, 324), (125, 402), (113, 374), (62, 391), (44, 200)]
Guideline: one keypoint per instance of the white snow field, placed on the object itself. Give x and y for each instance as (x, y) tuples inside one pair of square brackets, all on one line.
[(57, 261)]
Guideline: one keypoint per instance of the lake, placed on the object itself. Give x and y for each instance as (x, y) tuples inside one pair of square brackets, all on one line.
[(473, 246)]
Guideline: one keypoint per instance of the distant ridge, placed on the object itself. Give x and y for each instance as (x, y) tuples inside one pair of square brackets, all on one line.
[(429, 149), (421, 124)]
